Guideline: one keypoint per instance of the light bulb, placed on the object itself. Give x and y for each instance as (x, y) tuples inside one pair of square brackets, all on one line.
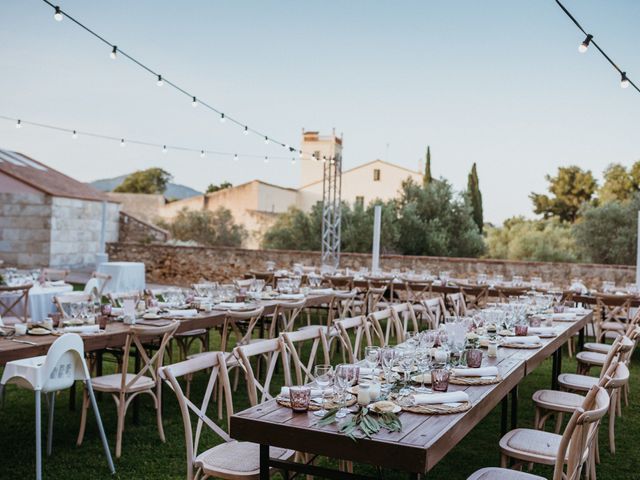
[(164, 149), (583, 47), (266, 159), (19, 124), (74, 135), (246, 130), (235, 157), (58, 15), (293, 160), (324, 159), (114, 53), (160, 82), (194, 102), (201, 153), (266, 140), (122, 144), (624, 81), (222, 119), (286, 146)]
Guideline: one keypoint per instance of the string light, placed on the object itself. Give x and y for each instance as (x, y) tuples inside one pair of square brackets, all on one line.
[(624, 80), (266, 159), (583, 47), (114, 53), (74, 135), (293, 160), (266, 140), (59, 13), (222, 119), (235, 157), (194, 102), (164, 149), (19, 123)]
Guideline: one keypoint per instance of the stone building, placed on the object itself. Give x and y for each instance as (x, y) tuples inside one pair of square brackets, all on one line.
[(50, 219)]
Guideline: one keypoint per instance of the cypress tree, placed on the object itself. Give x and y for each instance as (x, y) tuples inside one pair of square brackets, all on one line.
[(475, 196), (427, 168)]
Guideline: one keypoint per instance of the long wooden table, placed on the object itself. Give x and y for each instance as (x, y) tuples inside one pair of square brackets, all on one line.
[(116, 332), (424, 439)]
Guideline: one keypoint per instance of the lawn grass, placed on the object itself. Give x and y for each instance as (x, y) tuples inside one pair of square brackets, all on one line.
[(145, 457)]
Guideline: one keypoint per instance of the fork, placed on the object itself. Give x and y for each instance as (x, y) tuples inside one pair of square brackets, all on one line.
[(26, 342)]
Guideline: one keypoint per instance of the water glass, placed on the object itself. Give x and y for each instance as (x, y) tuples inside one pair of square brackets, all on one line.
[(474, 358), (522, 330), (346, 376), (440, 379), (300, 397), (371, 356)]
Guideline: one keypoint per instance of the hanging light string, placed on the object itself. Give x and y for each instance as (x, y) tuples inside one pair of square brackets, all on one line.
[(163, 147), (583, 47), (116, 51)]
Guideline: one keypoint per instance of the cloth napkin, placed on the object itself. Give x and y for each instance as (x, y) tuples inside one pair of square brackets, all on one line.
[(230, 305), (117, 311), (542, 330), (321, 291), (528, 340), (82, 329), (291, 296), (315, 392), (476, 372), (190, 312), (433, 398), (56, 283), (577, 310)]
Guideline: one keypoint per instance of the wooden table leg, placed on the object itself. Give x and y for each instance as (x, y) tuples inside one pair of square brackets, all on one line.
[(556, 368), (581, 340), (514, 408), (136, 401), (264, 462), (504, 407)]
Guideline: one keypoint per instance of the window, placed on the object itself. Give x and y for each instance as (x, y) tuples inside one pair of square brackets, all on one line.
[(376, 174), (360, 201)]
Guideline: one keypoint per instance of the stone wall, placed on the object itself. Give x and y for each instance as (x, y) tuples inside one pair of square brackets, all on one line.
[(25, 221), (75, 231), (184, 265), (133, 229)]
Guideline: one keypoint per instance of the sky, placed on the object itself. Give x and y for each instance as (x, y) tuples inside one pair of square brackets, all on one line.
[(496, 82)]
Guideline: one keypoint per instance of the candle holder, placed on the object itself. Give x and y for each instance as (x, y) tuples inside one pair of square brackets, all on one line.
[(300, 398), (521, 330), (440, 379), (474, 358)]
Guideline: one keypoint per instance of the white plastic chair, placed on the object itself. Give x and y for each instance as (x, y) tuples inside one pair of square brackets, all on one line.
[(58, 370)]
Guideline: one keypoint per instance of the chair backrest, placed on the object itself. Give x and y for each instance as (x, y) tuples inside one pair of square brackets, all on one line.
[(405, 313), (434, 311), (98, 281), (54, 274), (116, 298), (418, 291), (362, 328), (374, 296), (244, 283), (139, 337), (64, 363), (63, 302), (579, 434), (340, 282), (214, 361), (294, 343), (619, 345), (457, 303), (232, 322), (390, 328), (14, 301), (268, 277), (476, 296), (504, 293), (343, 304), (273, 349), (286, 313)]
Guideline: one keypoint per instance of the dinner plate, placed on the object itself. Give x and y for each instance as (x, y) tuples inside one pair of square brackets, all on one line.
[(373, 408), (151, 316), (39, 331)]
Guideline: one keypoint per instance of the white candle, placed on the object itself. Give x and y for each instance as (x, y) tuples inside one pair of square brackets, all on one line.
[(492, 350), (364, 397), (441, 356), (374, 391)]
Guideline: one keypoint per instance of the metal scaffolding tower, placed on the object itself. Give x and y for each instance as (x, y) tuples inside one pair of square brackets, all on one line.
[(331, 209)]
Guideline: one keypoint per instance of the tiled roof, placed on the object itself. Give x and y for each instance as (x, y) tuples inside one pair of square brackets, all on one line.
[(44, 178)]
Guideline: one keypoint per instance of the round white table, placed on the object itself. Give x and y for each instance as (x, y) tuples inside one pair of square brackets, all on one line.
[(41, 301), (125, 276)]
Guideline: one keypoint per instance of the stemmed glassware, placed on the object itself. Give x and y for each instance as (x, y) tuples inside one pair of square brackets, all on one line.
[(372, 356), (387, 359), (406, 360), (324, 379), (423, 362), (346, 376)]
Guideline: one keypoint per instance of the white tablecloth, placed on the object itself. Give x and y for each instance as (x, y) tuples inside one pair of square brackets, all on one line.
[(125, 276), (40, 301)]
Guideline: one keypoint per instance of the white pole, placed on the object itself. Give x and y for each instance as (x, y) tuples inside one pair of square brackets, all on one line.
[(638, 253), (375, 255)]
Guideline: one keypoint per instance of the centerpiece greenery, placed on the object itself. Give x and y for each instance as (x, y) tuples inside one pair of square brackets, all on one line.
[(364, 422)]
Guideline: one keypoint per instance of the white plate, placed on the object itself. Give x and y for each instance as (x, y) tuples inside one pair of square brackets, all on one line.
[(372, 407)]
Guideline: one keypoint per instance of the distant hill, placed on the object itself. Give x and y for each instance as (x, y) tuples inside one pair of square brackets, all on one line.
[(173, 189)]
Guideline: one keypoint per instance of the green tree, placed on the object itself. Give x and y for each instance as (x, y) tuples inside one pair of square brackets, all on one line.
[(570, 189), (151, 180), (607, 233), (428, 178), (211, 228), (295, 230), (216, 188), (532, 240), (475, 197), (357, 227), (619, 183)]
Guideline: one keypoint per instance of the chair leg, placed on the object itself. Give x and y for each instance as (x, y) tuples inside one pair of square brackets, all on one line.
[(38, 437), (103, 437), (159, 412), (120, 429), (504, 460), (52, 402), (558, 427), (612, 426), (83, 417)]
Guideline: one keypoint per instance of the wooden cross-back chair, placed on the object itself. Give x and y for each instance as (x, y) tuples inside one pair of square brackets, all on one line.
[(373, 298), (434, 311), (614, 313), (568, 454), (457, 304), (116, 298), (418, 291), (14, 304), (63, 302), (97, 283), (274, 350), (344, 305), (125, 386), (405, 317), (230, 460), (284, 316), (268, 277), (385, 326), (54, 274), (362, 336), (505, 293), (475, 296), (241, 324), (340, 282), (293, 343)]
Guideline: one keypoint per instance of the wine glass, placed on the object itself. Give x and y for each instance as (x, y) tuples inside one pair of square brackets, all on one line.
[(387, 359), (324, 379), (423, 362), (406, 360), (346, 376), (371, 356)]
